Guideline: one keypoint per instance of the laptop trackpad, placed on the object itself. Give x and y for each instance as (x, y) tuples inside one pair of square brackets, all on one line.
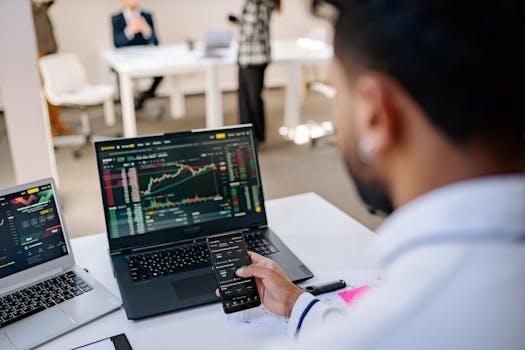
[(39, 328), (195, 286)]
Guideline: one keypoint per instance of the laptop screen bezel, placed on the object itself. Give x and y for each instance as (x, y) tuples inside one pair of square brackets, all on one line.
[(59, 264), (182, 233)]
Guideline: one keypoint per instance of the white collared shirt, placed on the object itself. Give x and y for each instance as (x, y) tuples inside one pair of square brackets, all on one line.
[(466, 291), (129, 14)]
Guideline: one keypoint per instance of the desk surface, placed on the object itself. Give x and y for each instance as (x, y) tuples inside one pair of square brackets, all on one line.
[(146, 60), (324, 237)]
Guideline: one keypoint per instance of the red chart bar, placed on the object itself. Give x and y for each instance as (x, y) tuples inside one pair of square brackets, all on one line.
[(109, 191), (241, 164)]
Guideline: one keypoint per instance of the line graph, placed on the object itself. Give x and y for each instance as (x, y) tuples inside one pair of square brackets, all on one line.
[(183, 173), (156, 203), (42, 197), (45, 196), (24, 201)]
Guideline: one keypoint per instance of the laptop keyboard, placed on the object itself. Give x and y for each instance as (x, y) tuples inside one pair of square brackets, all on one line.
[(40, 296), (177, 259), (256, 242)]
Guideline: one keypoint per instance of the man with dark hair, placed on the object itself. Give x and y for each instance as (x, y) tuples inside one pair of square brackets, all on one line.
[(133, 27), (430, 127)]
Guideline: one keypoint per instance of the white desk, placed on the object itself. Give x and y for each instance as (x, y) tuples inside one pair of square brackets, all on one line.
[(173, 60), (324, 237)]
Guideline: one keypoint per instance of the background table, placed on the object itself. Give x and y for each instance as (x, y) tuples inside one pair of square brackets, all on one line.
[(175, 60), (324, 237)]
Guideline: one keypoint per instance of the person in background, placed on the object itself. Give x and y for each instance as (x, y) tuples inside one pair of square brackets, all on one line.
[(253, 58), (430, 123), (132, 27), (46, 43)]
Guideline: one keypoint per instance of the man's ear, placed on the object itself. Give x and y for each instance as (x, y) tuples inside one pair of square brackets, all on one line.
[(377, 116)]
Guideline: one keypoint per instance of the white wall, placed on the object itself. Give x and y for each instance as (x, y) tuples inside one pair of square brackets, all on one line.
[(26, 119), (84, 27)]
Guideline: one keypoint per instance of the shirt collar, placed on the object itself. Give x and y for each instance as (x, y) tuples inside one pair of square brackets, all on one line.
[(128, 14), (493, 204)]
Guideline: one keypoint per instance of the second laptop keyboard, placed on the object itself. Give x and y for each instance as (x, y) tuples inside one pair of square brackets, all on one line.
[(40, 296), (182, 258)]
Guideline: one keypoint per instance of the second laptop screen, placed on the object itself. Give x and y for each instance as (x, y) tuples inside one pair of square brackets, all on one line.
[(159, 183)]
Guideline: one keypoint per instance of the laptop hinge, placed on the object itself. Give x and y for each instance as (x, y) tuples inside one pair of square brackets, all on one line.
[(151, 247), (120, 252), (257, 227)]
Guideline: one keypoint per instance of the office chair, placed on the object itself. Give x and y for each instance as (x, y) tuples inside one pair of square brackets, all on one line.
[(65, 84)]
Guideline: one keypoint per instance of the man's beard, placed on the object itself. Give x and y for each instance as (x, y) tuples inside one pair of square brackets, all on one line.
[(371, 192)]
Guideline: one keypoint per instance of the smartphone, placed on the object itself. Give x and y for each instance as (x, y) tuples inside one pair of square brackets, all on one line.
[(117, 342), (228, 253)]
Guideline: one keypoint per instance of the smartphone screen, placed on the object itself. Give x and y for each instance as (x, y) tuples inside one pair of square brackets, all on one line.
[(228, 253)]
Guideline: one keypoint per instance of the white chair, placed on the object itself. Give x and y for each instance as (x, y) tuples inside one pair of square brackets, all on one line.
[(65, 84)]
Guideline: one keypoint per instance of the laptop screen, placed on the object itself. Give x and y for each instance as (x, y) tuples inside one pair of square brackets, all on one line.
[(182, 180), (30, 229)]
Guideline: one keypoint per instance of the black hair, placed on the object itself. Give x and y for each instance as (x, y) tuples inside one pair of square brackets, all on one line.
[(462, 61)]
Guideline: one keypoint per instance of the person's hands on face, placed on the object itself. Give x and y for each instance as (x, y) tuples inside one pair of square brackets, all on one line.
[(278, 294)]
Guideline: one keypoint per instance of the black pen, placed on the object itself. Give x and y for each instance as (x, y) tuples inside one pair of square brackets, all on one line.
[(325, 287)]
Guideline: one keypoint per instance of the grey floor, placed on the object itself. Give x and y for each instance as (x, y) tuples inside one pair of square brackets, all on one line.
[(286, 168)]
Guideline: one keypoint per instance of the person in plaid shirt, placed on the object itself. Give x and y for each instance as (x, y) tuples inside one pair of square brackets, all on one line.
[(253, 58)]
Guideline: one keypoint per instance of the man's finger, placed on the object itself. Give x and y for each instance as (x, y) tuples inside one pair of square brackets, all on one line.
[(253, 271), (255, 258), (217, 292)]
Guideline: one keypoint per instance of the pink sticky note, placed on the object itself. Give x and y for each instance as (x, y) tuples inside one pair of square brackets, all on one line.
[(350, 296)]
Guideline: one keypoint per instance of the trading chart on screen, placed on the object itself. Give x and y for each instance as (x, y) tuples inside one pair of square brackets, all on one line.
[(159, 183)]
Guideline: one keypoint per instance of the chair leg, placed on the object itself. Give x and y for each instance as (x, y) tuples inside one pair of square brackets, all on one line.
[(84, 122), (109, 112)]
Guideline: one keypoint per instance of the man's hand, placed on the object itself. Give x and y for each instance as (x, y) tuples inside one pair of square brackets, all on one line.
[(233, 20), (136, 25), (144, 27), (278, 294), (133, 27)]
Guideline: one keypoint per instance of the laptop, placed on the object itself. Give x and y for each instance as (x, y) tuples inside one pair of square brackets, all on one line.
[(163, 195), (43, 294), (217, 42)]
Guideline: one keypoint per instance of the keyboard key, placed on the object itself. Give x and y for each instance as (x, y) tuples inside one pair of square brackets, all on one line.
[(161, 263), (45, 294), (17, 317)]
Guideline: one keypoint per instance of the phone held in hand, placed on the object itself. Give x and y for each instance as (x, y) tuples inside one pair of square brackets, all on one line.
[(228, 253)]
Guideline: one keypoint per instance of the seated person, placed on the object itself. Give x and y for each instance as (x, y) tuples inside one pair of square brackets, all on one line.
[(133, 27)]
